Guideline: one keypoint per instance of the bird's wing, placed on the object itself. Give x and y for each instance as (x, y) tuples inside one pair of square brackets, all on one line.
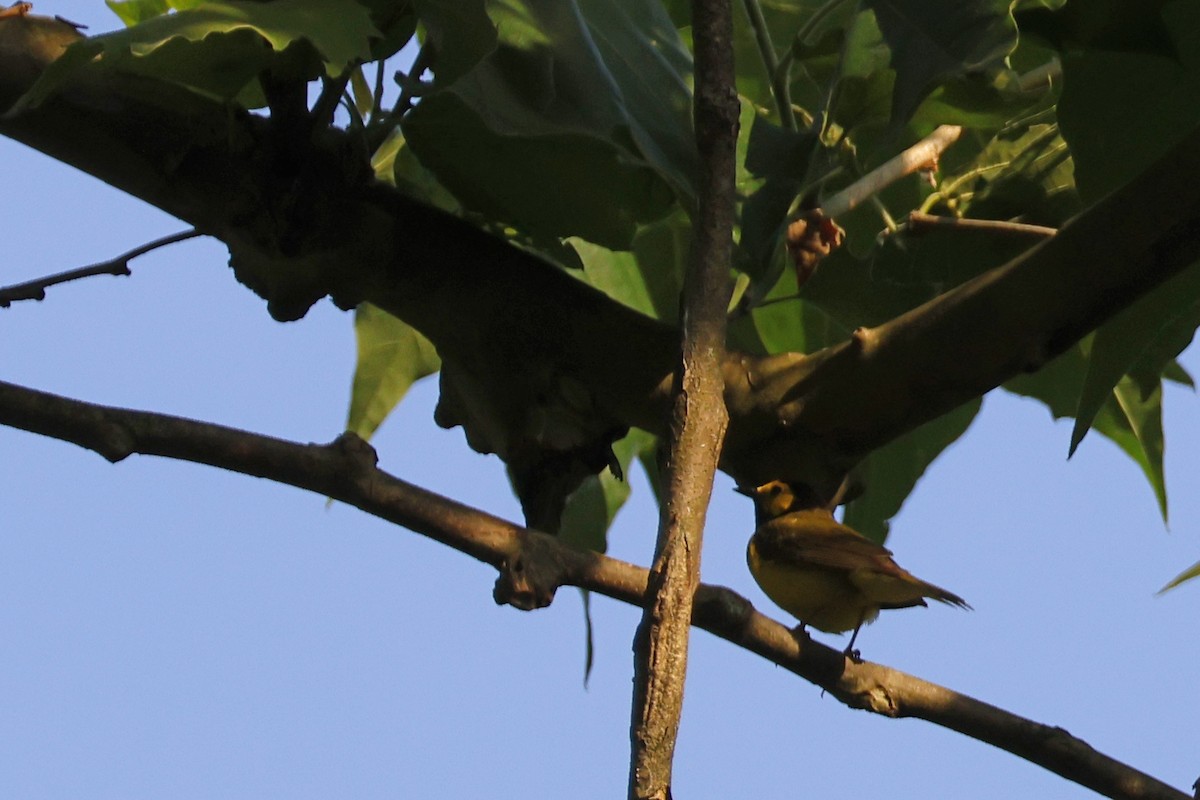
[(807, 538)]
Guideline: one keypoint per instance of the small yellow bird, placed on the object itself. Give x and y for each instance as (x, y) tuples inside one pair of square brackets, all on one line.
[(824, 573)]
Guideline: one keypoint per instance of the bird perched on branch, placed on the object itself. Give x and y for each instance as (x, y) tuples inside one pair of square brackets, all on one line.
[(826, 574)]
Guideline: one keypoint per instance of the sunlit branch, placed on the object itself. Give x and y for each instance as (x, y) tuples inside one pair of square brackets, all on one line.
[(922, 155), (698, 418), (533, 565)]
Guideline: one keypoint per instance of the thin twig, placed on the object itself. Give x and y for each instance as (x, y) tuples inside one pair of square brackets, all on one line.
[(380, 79), (327, 102), (921, 155), (919, 222), (346, 471), (36, 289), (780, 76), (410, 87)]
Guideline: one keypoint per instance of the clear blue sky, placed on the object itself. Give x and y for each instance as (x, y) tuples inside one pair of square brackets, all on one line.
[(169, 630)]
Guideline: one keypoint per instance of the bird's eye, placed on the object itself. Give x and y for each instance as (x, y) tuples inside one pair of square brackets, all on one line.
[(775, 489)]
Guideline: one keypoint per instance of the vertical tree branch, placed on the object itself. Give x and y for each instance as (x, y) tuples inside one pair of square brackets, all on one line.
[(779, 77), (699, 417)]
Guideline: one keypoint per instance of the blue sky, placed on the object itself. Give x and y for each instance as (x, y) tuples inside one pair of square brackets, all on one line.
[(172, 630)]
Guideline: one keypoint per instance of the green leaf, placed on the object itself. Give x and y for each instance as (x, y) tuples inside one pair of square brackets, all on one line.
[(934, 40), (1146, 338), (1131, 418), (647, 278), (391, 357), (1189, 573), (1121, 110), (1118, 25), (216, 47), (460, 31), (132, 12), (395, 164), (592, 507), (364, 97), (890, 473), (1134, 422), (586, 102)]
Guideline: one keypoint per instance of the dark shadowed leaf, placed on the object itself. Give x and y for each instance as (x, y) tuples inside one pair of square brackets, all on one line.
[(889, 474), (934, 40), (1143, 340), (578, 122), (1120, 110)]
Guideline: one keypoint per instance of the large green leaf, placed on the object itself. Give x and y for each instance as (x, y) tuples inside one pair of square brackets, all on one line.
[(395, 163), (1131, 416), (391, 357), (649, 276), (592, 507), (889, 474), (934, 40), (216, 48), (133, 12), (577, 122), (1133, 420), (1122, 109), (1143, 339), (460, 31)]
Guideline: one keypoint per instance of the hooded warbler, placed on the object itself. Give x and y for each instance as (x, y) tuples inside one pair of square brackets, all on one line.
[(826, 574)]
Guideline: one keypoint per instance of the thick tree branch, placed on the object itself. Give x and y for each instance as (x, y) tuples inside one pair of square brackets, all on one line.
[(699, 418), (521, 338), (345, 470)]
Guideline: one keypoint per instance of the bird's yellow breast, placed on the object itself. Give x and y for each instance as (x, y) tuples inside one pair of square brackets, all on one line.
[(818, 596)]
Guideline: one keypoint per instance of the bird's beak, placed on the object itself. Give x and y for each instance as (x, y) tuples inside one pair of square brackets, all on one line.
[(748, 491)]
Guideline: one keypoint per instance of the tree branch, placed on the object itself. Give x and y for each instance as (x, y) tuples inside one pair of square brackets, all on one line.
[(699, 417), (779, 76), (346, 471), (516, 332), (922, 155), (920, 222), (36, 289)]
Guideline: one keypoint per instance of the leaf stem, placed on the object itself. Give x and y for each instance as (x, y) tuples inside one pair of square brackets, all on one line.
[(779, 74), (919, 222)]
